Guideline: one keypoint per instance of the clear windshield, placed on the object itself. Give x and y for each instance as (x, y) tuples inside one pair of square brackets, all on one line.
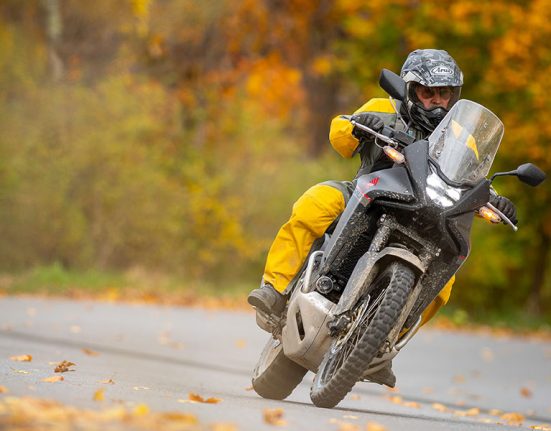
[(466, 141)]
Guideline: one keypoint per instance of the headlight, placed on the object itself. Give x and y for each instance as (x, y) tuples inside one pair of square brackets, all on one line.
[(440, 192)]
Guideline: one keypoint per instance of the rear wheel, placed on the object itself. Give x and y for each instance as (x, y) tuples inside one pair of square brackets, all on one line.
[(276, 376), (352, 351)]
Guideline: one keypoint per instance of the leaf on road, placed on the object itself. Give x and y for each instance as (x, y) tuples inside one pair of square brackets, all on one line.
[(99, 395), (274, 417), (180, 418), (140, 388), (347, 426), (471, 412), (53, 379), (107, 382), (196, 398), (343, 425), (487, 354), (3, 390), (396, 399), (75, 329), (38, 414), (374, 426), (64, 366), (240, 344), (21, 358), (526, 393), (513, 418), (90, 352), (223, 427), (459, 379), (542, 427), (141, 409), (440, 407)]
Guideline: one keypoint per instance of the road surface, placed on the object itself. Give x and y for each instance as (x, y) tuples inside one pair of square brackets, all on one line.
[(157, 355)]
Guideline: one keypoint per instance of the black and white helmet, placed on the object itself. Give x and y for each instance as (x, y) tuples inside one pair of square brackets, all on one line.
[(431, 68)]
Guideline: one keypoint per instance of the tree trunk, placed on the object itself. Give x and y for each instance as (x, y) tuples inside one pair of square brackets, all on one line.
[(54, 29)]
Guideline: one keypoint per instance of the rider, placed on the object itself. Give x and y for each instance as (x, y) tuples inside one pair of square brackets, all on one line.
[(434, 83)]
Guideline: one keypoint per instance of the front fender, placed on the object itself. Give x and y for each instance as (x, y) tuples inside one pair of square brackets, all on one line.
[(365, 272)]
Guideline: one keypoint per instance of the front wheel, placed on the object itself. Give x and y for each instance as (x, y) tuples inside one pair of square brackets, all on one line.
[(275, 375), (352, 351)]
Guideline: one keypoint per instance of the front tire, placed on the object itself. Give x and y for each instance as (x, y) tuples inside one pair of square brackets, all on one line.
[(276, 376), (351, 353)]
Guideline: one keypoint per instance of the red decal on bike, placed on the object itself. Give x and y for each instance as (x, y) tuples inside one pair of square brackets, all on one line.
[(374, 181)]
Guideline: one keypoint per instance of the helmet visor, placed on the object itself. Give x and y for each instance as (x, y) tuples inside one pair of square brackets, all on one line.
[(439, 96)]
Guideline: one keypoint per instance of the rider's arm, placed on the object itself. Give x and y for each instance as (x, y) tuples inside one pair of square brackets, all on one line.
[(340, 133)]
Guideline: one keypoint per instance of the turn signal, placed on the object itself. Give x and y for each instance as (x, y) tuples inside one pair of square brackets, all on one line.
[(394, 154), (489, 215)]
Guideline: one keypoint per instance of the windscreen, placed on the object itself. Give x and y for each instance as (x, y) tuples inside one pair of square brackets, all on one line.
[(466, 141)]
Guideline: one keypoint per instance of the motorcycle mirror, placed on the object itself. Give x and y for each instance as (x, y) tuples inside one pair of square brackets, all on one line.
[(527, 173), (530, 174), (393, 84)]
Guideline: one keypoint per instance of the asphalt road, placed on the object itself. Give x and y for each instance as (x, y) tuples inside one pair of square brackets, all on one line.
[(158, 355)]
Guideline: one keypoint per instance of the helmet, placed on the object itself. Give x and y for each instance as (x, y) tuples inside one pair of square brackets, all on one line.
[(431, 68)]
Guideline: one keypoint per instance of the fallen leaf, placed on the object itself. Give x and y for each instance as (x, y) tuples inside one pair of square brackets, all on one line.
[(99, 395), (223, 427), (90, 352), (199, 399), (141, 409), (350, 417), (396, 399), (22, 358), (459, 379), (63, 367), (3, 390), (240, 344), (140, 388), (411, 404), (513, 418), (440, 407), (274, 417), (180, 418), (471, 412), (542, 427), (374, 426), (526, 393), (22, 371), (107, 382), (347, 426), (53, 379), (487, 354)]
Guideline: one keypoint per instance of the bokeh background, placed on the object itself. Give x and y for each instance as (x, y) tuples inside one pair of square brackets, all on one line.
[(161, 143)]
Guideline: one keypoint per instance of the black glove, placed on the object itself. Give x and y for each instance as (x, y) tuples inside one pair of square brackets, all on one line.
[(369, 120), (505, 206)]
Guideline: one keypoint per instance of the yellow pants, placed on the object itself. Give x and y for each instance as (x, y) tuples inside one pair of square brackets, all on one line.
[(312, 214)]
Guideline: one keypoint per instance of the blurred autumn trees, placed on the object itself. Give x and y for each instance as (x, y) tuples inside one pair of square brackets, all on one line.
[(175, 134)]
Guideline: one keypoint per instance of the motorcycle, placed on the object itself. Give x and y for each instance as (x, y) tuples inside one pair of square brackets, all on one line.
[(404, 233)]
